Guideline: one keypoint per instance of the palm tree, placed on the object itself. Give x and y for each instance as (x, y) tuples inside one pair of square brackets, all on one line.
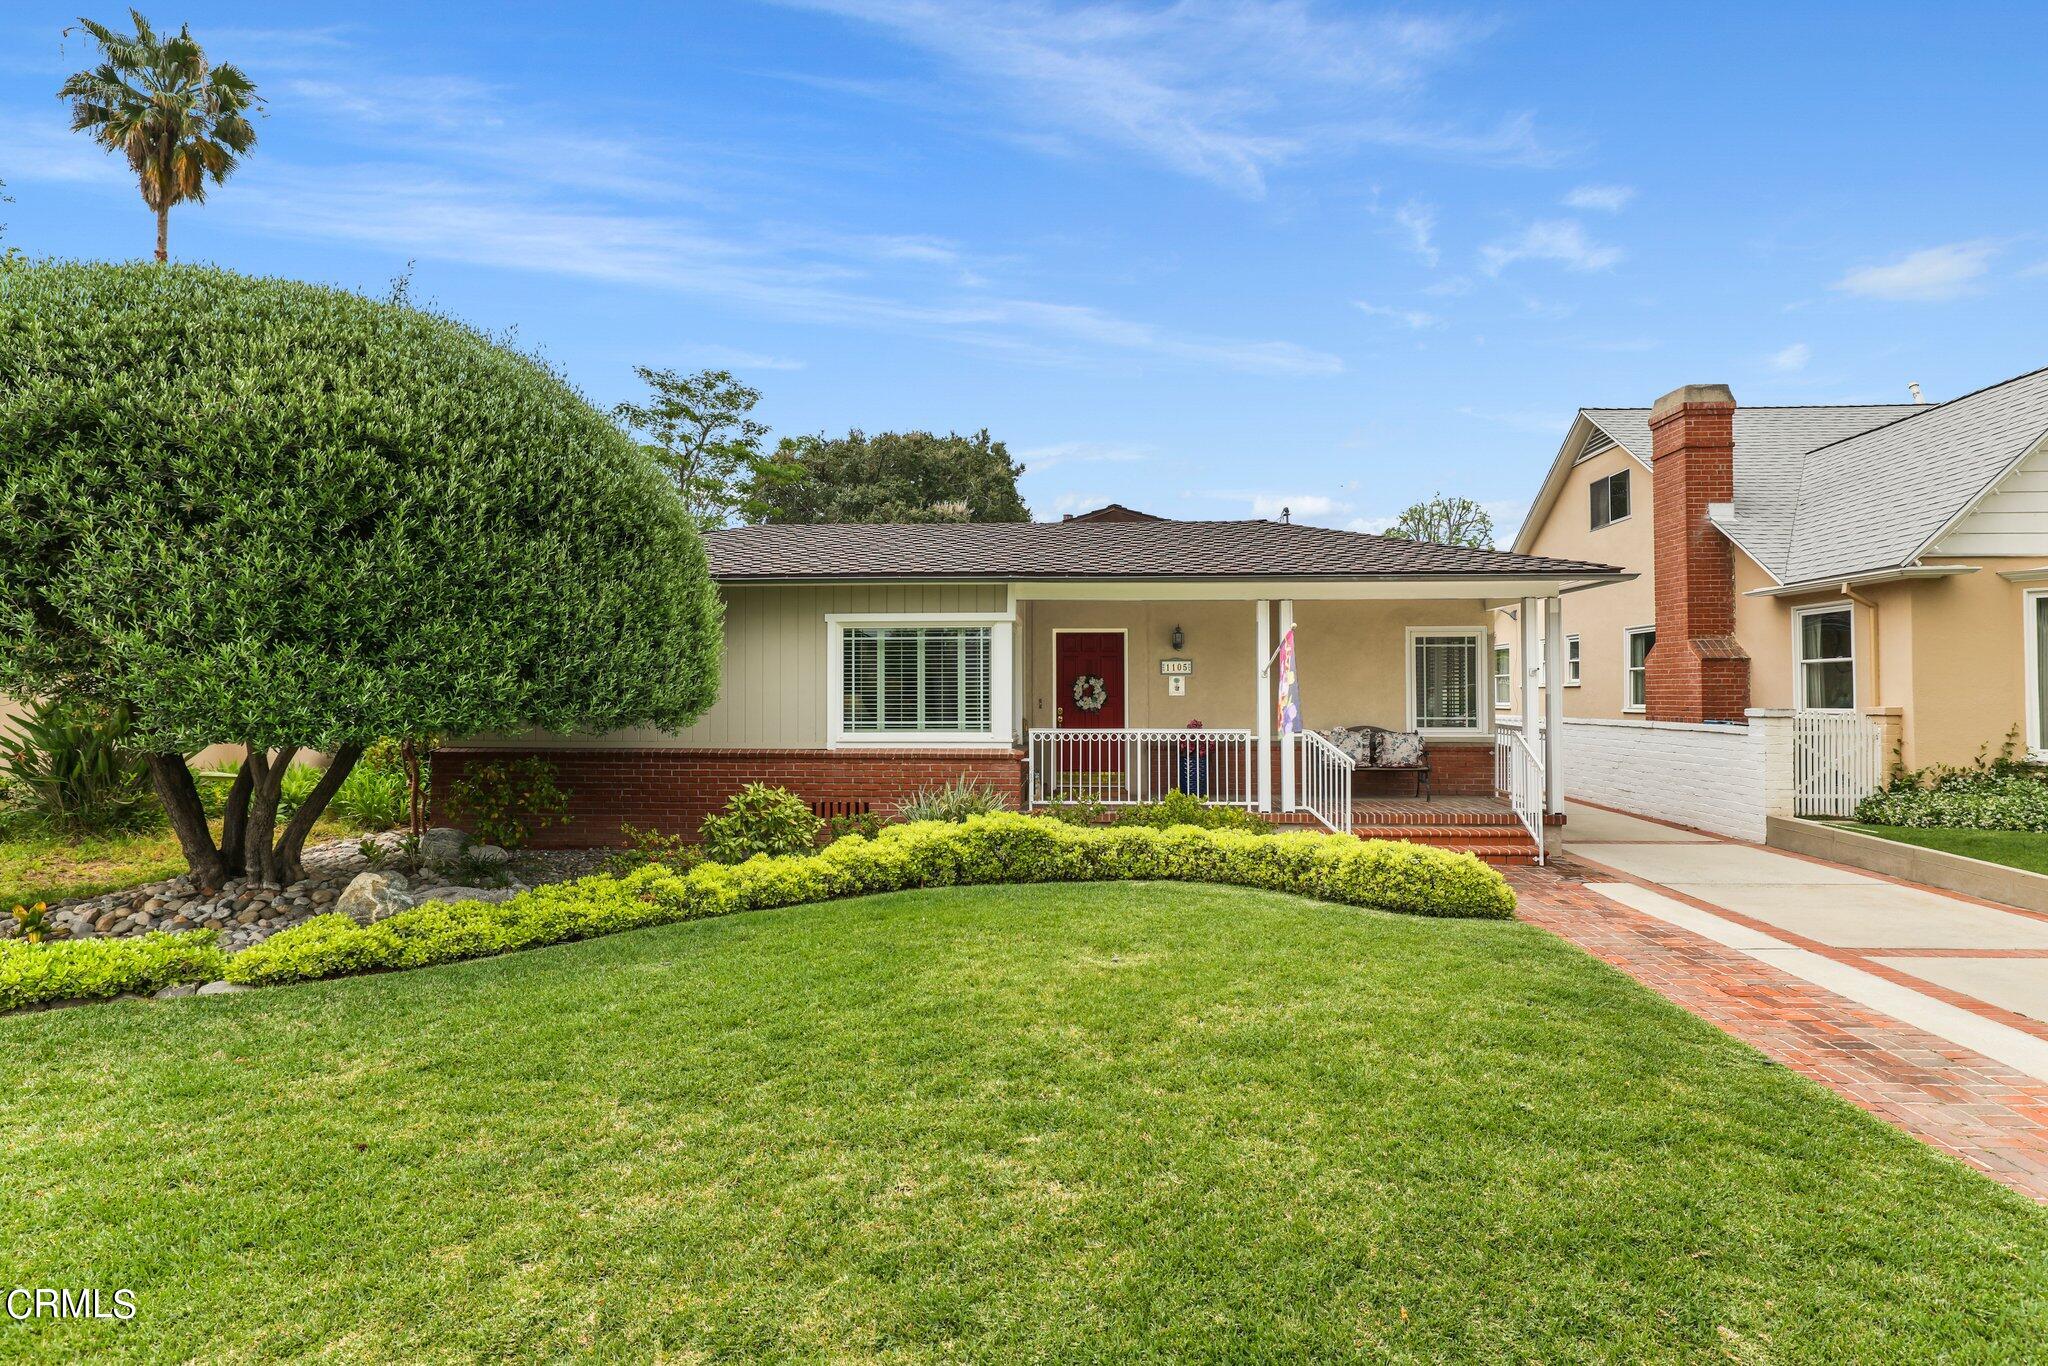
[(178, 120)]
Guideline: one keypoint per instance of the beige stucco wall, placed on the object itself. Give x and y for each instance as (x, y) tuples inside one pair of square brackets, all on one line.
[(1351, 658), (771, 691), (1597, 616)]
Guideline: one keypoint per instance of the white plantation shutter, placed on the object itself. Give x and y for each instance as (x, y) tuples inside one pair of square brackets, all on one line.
[(1446, 682), (917, 678)]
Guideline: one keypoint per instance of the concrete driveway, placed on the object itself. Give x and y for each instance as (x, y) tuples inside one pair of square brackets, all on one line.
[(1964, 970)]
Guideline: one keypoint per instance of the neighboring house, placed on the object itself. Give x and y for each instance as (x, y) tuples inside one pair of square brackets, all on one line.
[(1110, 657), (1872, 579)]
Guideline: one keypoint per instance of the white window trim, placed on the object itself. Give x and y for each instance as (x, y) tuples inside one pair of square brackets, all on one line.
[(1574, 661), (1799, 662), (1000, 682), (1503, 703), (2037, 743), (1629, 633), (1483, 639), (1611, 521)]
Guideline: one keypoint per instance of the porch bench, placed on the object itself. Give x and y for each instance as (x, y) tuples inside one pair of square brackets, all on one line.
[(1375, 749)]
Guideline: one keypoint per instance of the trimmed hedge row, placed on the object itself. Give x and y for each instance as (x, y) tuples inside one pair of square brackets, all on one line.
[(1988, 801), (85, 969), (1385, 875)]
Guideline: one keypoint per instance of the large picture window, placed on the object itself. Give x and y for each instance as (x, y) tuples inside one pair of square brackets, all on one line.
[(1827, 660), (1610, 499), (1444, 679), (1635, 682), (898, 681)]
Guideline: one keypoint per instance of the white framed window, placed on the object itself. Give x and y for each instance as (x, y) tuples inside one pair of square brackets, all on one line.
[(1824, 651), (1610, 499), (1443, 679), (1571, 661), (1636, 644), (2034, 624), (916, 680), (1503, 679)]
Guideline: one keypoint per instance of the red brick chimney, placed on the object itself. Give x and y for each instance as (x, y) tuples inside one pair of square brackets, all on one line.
[(1696, 672)]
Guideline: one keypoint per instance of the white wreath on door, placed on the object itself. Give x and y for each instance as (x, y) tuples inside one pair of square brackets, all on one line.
[(1090, 692)]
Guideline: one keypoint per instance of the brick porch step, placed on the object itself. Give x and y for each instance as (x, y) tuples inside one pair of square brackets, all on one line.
[(1502, 845)]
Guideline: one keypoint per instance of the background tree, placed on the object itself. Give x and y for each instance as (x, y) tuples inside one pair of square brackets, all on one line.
[(179, 121), (890, 477), (1445, 520), (698, 429), (268, 513)]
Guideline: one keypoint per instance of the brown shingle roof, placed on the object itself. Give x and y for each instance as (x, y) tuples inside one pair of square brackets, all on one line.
[(1106, 550), (1112, 512)]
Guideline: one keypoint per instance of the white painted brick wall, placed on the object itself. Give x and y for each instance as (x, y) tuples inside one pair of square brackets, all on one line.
[(1710, 777)]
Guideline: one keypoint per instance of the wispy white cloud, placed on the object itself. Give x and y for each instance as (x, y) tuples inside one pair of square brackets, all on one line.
[(1223, 90), (1038, 458), (1600, 198), (735, 359), (1792, 359), (1414, 319), (1418, 221), (1562, 240), (1932, 275), (1302, 507), (40, 147)]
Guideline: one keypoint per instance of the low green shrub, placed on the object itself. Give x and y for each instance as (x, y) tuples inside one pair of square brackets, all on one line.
[(67, 769), (760, 819), (1000, 848), (674, 852), (503, 801), (370, 798), (1184, 808), (81, 969), (1986, 801), (952, 801)]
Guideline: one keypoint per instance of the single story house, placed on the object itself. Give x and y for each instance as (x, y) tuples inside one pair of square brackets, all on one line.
[(1819, 592), (1106, 658)]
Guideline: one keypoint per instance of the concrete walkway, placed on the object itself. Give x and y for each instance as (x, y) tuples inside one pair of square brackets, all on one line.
[(1927, 1008)]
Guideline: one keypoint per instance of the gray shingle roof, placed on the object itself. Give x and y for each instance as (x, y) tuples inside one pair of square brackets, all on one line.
[(1109, 550), (1772, 455)]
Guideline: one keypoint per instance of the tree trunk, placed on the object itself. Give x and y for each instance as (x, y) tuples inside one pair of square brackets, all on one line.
[(287, 857), (180, 796), (260, 860), (234, 821), (163, 233)]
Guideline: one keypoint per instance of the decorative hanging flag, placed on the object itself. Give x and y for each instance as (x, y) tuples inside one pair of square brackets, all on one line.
[(1290, 688)]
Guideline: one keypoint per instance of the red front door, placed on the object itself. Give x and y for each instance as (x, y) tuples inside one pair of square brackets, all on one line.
[(1089, 682)]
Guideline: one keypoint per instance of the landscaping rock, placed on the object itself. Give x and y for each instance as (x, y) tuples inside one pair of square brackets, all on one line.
[(490, 855), (372, 896), (222, 989), (172, 993), (443, 844)]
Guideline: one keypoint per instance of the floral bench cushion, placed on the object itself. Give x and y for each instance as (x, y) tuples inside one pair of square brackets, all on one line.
[(1398, 749), (1378, 747)]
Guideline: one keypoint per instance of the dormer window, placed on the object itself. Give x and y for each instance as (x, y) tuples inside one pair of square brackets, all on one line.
[(1610, 499)]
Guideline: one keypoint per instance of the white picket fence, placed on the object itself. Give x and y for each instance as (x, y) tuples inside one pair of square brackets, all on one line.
[(1837, 761), (1140, 764)]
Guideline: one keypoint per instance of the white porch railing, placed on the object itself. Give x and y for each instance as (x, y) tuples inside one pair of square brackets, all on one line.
[(1518, 776), (1323, 773), (1837, 761), (1132, 765)]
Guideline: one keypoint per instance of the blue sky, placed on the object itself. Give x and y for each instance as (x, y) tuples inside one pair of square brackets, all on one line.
[(1205, 258)]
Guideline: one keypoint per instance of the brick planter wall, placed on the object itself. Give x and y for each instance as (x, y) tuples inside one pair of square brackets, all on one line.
[(672, 790)]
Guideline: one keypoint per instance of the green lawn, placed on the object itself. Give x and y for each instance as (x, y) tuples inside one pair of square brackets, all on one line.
[(1050, 1122), (2014, 848), (55, 868)]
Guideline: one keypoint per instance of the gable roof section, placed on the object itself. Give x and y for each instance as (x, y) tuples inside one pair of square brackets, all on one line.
[(1878, 500), (1112, 512), (1104, 550)]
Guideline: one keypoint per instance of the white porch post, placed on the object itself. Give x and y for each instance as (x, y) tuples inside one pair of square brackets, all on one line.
[(1553, 703), (1287, 746), (1262, 644), (1527, 656)]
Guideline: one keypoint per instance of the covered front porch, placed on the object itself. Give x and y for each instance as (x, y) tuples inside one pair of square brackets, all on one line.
[(1377, 721)]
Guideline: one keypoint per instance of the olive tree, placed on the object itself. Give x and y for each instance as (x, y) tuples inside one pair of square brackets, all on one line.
[(268, 513)]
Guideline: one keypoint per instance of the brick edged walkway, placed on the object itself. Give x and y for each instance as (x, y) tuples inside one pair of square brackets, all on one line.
[(1987, 1114)]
